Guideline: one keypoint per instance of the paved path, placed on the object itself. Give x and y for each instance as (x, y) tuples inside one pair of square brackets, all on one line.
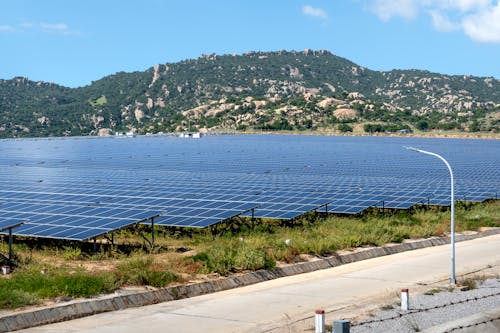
[(262, 307)]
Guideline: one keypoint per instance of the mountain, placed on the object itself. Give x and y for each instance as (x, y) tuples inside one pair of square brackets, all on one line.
[(285, 90)]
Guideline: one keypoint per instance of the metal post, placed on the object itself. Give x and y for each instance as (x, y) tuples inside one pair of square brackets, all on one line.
[(453, 279), (152, 232), (11, 254)]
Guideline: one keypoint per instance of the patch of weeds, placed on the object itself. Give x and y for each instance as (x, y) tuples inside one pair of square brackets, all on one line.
[(14, 298), (433, 292), (202, 256), (72, 253), (83, 284), (468, 284), (269, 263), (28, 285), (220, 259), (158, 279), (387, 307), (141, 271), (249, 258), (226, 258)]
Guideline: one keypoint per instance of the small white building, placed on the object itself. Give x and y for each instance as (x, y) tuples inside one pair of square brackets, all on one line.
[(190, 135)]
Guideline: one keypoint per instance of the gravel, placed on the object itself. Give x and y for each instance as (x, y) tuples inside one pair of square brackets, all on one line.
[(437, 307)]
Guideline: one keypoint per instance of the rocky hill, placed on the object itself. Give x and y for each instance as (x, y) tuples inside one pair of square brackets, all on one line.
[(257, 90)]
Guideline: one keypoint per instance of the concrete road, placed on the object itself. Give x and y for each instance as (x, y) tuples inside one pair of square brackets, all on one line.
[(275, 305)]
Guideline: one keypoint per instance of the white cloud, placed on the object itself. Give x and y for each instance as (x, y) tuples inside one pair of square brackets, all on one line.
[(460, 5), (27, 25), (478, 19), (6, 28), (484, 27), (60, 28), (314, 12), (442, 23), (387, 9), (55, 28)]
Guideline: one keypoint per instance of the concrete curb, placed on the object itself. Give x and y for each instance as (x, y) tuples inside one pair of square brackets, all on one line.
[(484, 322), (88, 307)]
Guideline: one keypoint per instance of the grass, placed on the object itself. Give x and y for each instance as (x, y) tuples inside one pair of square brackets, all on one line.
[(74, 270), (98, 101), (32, 283), (143, 270), (29, 285)]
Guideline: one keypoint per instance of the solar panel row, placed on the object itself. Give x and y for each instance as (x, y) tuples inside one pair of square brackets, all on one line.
[(197, 183)]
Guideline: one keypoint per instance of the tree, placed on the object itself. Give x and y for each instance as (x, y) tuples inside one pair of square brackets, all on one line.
[(474, 127), (373, 128), (344, 128), (422, 125)]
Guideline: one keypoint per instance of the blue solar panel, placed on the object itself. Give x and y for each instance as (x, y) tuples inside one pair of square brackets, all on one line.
[(197, 183)]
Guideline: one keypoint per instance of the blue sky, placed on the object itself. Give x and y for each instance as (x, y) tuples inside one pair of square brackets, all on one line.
[(75, 42)]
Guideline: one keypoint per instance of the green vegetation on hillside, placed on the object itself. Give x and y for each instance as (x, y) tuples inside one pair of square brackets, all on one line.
[(255, 91)]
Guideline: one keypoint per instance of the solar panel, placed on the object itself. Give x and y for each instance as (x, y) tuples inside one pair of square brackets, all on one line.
[(81, 187), (6, 224), (68, 228)]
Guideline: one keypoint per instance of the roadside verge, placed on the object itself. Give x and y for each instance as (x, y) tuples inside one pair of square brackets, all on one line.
[(86, 307)]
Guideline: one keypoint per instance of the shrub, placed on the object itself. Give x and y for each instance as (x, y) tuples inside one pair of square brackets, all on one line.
[(72, 253), (344, 128)]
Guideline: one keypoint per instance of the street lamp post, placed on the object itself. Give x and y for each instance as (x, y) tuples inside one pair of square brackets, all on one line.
[(453, 279)]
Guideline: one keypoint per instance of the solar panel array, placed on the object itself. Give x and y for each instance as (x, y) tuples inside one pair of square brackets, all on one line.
[(80, 188)]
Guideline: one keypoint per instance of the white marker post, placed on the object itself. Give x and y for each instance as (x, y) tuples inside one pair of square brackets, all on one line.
[(319, 320), (405, 300), (453, 279)]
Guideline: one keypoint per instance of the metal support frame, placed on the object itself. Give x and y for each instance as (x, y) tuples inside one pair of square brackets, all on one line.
[(453, 279), (11, 254), (214, 230), (152, 241), (110, 238), (316, 210), (10, 257), (153, 232)]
